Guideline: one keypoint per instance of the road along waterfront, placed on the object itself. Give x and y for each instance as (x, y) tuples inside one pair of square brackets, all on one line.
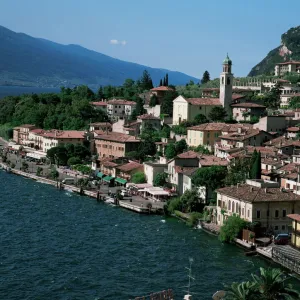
[(58, 245)]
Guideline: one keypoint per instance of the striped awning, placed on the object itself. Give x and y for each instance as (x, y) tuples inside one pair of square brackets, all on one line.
[(121, 180), (107, 178), (100, 174)]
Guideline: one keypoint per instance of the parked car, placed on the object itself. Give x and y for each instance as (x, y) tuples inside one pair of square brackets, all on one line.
[(124, 193), (282, 239)]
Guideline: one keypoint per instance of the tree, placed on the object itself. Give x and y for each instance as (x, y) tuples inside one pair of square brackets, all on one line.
[(218, 114), (128, 83), (139, 106), (167, 79), (205, 77), (200, 119), (146, 81), (272, 99), (100, 94), (271, 284), (211, 178), (24, 167), (167, 103), (255, 165), (170, 151), (190, 200), (164, 82), (73, 161), (160, 82), (201, 149), (147, 147), (238, 172), (153, 100), (138, 177), (231, 228), (134, 115), (39, 171), (181, 146), (54, 173), (160, 179), (294, 102)]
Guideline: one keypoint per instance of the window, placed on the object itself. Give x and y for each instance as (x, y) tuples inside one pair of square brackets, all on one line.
[(236, 207), (222, 80), (276, 213), (284, 213), (115, 111), (200, 107), (258, 214), (283, 227), (276, 227), (208, 135), (248, 214), (228, 80), (268, 213), (219, 203), (229, 205), (119, 106)]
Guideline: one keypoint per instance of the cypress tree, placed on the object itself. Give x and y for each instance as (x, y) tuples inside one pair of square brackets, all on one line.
[(160, 82), (255, 171), (206, 77), (167, 79), (164, 83)]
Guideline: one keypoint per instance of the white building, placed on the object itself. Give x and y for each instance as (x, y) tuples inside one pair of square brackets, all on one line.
[(120, 108)]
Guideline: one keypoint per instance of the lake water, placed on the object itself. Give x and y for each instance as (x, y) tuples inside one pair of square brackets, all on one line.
[(59, 245), (17, 90)]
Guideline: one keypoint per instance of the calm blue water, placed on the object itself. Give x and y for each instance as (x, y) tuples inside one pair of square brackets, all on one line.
[(17, 90), (57, 245)]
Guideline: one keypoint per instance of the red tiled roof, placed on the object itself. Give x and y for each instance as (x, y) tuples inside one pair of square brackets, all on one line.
[(185, 170), (204, 101), (38, 130), (249, 193), (292, 62), (188, 154), (118, 137), (67, 134), (208, 126), (148, 117), (237, 96), (241, 136), (293, 129), (248, 105), (295, 217), (26, 126), (99, 103), (162, 88), (211, 160), (121, 102), (130, 166)]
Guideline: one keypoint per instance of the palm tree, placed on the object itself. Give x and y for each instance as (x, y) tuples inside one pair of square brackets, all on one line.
[(271, 284), (241, 291)]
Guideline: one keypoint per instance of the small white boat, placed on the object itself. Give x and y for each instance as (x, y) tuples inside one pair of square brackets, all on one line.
[(110, 201)]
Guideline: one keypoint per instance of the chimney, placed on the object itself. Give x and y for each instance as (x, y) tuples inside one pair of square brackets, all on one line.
[(237, 185), (240, 130), (282, 163), (266, 190), (251, 189)]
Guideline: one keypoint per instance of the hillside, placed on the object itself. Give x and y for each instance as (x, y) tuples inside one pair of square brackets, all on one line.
[(288, 50), (25, 60)]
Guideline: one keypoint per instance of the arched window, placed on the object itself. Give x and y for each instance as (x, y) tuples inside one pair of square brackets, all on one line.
[(228, 80), (229, 205), (222, 80), (237, 208)]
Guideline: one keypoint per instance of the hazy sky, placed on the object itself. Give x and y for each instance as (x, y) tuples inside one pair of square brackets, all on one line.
[(190, 36)]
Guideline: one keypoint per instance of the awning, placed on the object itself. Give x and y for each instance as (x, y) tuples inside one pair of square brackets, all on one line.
[(121, 180), (100, 174), (107, 178)]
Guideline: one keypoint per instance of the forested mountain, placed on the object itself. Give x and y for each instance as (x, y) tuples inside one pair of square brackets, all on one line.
[(25, 60), (288, 50)]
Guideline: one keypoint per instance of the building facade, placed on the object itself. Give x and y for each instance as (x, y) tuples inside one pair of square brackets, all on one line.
[(120, 108)]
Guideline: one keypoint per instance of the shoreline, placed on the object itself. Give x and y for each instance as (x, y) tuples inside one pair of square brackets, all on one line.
[(96, 195)]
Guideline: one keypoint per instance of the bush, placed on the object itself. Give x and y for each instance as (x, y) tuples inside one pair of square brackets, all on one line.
[(174, 204), (138, 177), (194, 219), (232, 228), (82, 168), (13, 165), (39, 171), (73, 161)]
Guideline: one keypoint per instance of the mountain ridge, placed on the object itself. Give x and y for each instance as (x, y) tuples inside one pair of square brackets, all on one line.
[(26, 60), (289, 49)]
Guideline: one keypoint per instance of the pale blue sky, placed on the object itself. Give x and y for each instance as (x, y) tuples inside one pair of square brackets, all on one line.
[(190, 36)]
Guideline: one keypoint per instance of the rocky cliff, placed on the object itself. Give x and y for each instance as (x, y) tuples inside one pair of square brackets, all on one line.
[(288, 50)]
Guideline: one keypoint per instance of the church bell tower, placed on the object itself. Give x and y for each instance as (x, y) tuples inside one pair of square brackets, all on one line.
[(226, 81)]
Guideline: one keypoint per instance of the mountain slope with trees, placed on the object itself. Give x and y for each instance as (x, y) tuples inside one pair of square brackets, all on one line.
[(25, 60), (288, 50)]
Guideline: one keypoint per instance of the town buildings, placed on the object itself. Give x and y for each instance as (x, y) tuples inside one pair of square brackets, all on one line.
[(21, 133), (258, 201), (247, 111), (120, 108), (115, 144), (287, 67), (295, 239)]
